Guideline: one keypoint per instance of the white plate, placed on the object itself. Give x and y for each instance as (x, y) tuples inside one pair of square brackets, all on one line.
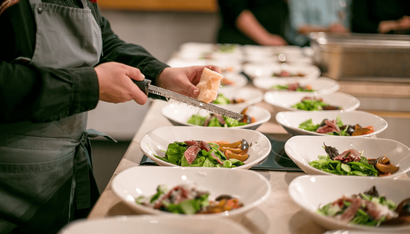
[(179, 113), (156, 142), (322, 85), (304, 149), (284, 100), (292, 119), (250, 95), (309, 192), (153, 225), (239, 81), (266, 70), (249, 187)]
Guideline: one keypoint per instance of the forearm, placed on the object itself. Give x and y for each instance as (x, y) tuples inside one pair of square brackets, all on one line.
[(249, 25), (29, 93)]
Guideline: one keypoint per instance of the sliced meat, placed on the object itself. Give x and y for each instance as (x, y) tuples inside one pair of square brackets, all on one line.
[(350, 155), (220, 119), (205, 146), (191, 143), (313, 98), (208, 119), (330, 126), (191, 153), (351, 211)]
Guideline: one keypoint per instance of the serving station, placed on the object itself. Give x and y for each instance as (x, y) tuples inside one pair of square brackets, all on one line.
[(255, 69)]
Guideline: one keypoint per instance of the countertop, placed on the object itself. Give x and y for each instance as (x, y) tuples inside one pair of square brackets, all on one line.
[(278, 214)]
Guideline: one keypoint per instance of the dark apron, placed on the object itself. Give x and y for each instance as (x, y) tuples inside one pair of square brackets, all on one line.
[(45, 168)]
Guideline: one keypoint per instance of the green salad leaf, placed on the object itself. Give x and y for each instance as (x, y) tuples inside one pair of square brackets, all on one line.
[(310, 105), (222, 100), (175, 155), (214, 122), (308, 125), (361, 168)]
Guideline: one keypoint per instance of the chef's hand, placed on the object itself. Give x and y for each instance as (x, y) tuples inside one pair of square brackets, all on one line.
[(183, 79), (114, 80)]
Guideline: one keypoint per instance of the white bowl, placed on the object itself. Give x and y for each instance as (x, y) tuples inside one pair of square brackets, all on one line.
[(156, 142), (238, 79), (252, 190), (291, 120), (304, 149), (250, 95), (266, 70), (309, 192), (178, 114), (284, 100), (322, 85), (153, 225)]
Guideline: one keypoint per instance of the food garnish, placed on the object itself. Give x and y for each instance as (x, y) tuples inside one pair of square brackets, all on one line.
[(188, 199), (314, 104), (336, 127), (368, 209), (194, 153), (352, 162)]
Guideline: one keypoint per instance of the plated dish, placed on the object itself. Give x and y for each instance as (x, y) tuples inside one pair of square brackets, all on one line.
[(179, 114), (155, 145), (133, 183), (320, 85), (292, 120), (283, 101), (303, 150), (301, 72), (153, 225), (314, 192)]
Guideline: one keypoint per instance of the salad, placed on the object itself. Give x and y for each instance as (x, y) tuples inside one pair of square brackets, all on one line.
[(201, 154), (188, 199), (314, 104), (336, 127), (352, 162), (294, 87), (223, 100), (216, 120), (366, 208)]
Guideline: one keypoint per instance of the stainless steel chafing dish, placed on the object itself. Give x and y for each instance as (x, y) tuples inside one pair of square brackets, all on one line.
[(362, 56)]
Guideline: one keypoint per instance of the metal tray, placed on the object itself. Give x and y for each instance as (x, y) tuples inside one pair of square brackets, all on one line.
[(368, 56)]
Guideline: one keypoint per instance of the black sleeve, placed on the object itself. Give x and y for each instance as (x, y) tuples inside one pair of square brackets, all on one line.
[(231, 9), (361, 21), (37, 94)]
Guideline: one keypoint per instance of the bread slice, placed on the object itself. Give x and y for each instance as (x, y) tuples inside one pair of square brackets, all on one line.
[(209, 85)]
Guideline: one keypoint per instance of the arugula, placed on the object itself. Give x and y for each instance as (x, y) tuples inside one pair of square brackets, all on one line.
[(214, 122), (308, 125), (310, 105)]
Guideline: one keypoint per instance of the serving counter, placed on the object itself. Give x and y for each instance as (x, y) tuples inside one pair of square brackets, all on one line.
[(278, 214)]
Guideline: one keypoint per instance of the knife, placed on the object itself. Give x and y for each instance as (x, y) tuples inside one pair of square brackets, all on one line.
[(146, 87)]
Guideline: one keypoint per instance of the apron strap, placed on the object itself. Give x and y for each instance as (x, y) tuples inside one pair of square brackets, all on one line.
[(83, 166)]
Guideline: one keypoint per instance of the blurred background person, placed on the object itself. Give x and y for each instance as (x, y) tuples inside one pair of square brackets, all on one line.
[(308, 16), (380, 16), (256, 22)]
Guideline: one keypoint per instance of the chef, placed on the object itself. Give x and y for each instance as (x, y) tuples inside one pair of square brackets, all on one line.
[(58, 59)]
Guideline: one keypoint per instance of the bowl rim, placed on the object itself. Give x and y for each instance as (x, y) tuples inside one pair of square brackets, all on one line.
[(300, 112), (259, 122), (245, 166), (152, 211), (257, 93), (320, 172), (288, 108), (292, 191)]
